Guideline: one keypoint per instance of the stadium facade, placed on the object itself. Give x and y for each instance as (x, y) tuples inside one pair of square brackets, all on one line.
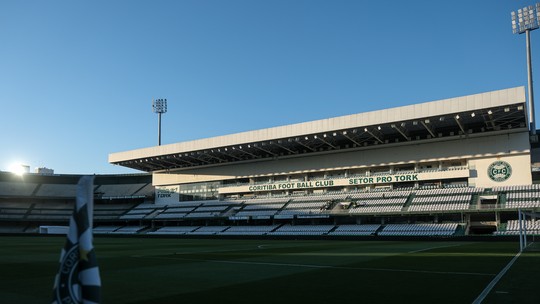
[(469, 160), (479, 140)]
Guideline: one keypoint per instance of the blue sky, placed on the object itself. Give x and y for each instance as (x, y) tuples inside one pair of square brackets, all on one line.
[(77, 78)]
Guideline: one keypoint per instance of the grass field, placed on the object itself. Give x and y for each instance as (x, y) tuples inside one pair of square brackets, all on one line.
[(152, 270)]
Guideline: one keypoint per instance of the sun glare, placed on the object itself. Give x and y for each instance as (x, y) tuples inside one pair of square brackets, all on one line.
[(17, 169)]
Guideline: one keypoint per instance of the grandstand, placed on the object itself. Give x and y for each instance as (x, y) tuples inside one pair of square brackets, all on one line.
[(33, 200), (453, 167)]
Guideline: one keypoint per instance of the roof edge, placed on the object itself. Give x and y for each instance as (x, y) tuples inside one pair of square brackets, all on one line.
[(410, 112)]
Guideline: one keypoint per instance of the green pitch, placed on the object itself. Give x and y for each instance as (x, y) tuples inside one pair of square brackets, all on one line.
[(168, 270)]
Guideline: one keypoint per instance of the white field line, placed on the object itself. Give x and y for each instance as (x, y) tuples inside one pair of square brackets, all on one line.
[(323, 266), (495, 280), (430, 248), (233, 250)]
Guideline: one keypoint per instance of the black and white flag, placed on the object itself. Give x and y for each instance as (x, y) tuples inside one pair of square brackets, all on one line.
[(78, 279)]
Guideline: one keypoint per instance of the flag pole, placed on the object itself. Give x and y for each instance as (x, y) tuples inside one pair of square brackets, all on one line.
[(78, 280)]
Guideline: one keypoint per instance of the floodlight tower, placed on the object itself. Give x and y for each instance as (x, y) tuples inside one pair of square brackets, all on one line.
[(525, 21), (159, 106)]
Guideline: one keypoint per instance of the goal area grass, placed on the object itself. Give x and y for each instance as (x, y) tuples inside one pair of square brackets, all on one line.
[(175, 270)]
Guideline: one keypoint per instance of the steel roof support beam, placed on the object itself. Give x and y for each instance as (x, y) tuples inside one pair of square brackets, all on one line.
[(428, 128), (285, 148), (506, 118), (326, 142), (179, 157), (148, 167), (456, 118), (304, 145), (151, 165), (198, 159), (490, 120), (214, 157), (246, 152), (401, 131), (350, 138), (229, 155), (169, 163), (373, 135), (186, 161), (264, 150)]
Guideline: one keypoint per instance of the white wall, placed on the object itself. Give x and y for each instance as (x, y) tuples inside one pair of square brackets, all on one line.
[(167, 195), (53, 229), (520, 166), (472, 149)]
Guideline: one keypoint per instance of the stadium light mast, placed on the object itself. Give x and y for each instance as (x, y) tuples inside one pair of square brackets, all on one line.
[(525, 21), (159, 106)]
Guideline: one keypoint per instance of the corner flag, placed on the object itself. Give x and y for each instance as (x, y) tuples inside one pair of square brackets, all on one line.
[(78, 278)]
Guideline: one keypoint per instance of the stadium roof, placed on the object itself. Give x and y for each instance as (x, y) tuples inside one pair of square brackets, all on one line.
[(461, 116)]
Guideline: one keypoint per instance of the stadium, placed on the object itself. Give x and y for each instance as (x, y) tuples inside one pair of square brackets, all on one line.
[(460, 166), (429, 176)]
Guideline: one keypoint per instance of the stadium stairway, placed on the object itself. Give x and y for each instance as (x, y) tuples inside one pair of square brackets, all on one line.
[(380, 229), (338, 206), (333, 204), (29, 211), (129, 210), (31, 229), (501, 229), (147, 229), (474, 202), (460, 230), (501, 199), (332, 230), (230, 211), (153, 214), (36, 190), (276, 228), (234, 211), (284, 206), (408, 202)]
